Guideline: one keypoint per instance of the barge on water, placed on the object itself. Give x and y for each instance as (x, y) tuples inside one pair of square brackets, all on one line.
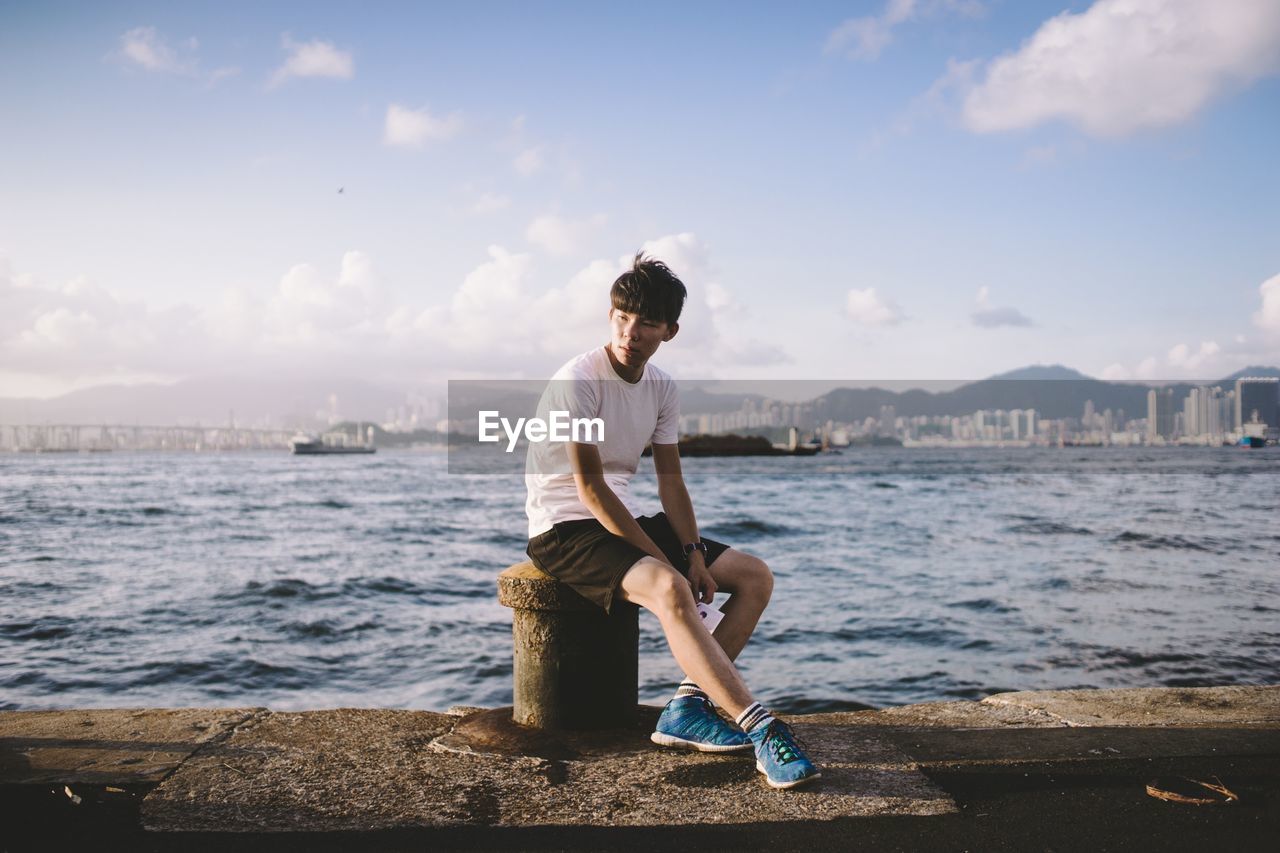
[(330, 443), (737, 445)]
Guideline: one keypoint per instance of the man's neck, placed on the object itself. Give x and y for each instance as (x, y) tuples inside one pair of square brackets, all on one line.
[(625, 373)]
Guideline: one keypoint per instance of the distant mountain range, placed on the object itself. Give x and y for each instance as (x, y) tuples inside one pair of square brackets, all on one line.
[(209, 402), (1052, 390), (1043, 371)]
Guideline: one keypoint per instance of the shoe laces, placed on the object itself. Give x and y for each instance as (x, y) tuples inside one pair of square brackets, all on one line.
[(783, 743)]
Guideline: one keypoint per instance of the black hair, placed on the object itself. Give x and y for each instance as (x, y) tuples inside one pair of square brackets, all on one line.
[(649, 289)]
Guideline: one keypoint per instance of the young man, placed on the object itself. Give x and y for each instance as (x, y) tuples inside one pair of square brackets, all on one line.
[(584, 529)]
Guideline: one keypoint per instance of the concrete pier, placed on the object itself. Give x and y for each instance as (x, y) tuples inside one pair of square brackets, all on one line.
[(1057, 770)]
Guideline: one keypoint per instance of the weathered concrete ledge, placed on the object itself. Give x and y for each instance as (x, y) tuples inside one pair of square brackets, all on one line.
[(357, 771)]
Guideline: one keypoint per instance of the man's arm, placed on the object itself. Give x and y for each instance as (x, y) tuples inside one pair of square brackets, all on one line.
[(679, 509), (600, 500)]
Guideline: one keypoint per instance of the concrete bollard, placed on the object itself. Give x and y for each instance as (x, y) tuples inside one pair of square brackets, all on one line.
[(575, 665)]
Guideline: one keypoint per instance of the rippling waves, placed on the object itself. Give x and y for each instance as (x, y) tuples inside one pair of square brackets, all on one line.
[(902, 576)]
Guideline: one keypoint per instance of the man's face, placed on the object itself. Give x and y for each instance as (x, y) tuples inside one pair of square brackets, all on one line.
[(634, 339)]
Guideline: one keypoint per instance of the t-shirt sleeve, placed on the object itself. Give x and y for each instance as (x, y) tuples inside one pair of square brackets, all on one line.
[(667, 430), (579, 396)]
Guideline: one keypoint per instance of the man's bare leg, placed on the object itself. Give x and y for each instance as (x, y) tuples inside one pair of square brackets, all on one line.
[(750, 584), (657, 587), (662, 590)]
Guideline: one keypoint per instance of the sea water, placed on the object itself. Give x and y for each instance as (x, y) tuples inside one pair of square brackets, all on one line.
[(902, 575)]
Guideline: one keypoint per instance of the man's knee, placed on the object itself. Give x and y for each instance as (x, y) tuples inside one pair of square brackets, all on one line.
[(766, 578), (657, 587), (671, 592), (757, 577)]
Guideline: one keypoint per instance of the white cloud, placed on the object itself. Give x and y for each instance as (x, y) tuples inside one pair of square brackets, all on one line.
[(144, 47), (719, 299), (1127, 65), (81, 329), (315, 58), (408, 128), (311, 307), (867, 308), (1182, 357), (1267, 317), (714, 339), (490, 203), (990, 317), (866, 37), (1181, 362), (311, 318), (495, 290), (560, 236), (500, 320), (529, 162), (551, 324), (547, 325), (61, 327), (147, 49)]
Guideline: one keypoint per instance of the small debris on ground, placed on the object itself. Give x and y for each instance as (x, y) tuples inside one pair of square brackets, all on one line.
[(1192, 792)]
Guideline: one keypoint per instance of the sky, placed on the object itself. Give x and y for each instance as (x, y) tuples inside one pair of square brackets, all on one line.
[(409, 193)]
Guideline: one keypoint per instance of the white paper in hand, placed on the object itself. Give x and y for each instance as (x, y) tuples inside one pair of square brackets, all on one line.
[(711, 616)]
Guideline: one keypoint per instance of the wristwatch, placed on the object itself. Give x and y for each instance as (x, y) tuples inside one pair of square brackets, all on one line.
[(690, 547)]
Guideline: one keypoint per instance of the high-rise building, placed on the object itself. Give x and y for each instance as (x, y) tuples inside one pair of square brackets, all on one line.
[(1258, 395), (1191, 413), (1209, 412), (888, 417), (1227, 411), (1159, 413)]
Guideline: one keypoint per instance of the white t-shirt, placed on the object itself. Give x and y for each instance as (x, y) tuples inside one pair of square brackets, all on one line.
[(633, 413)]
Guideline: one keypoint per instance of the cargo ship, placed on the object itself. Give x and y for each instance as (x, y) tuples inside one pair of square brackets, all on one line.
[(1255, 435), (303, 444)]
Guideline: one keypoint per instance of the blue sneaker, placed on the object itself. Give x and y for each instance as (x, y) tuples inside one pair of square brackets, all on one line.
[(780, 758), (689, 722)]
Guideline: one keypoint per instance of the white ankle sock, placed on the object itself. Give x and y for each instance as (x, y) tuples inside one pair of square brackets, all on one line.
[(688, 688), (754, 717)]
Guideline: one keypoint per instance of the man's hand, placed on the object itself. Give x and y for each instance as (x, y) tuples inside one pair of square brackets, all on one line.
[(704, 588)]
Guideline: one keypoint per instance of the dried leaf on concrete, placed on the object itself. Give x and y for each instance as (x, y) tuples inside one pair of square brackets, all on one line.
[(1192, 792)]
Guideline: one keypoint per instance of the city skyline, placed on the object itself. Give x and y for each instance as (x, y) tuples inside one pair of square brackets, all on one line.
[(886, 190), (1207, 415), (1048, 396)]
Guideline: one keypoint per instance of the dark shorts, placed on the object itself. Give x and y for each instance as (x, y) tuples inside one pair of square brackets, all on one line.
[(591, 560)]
